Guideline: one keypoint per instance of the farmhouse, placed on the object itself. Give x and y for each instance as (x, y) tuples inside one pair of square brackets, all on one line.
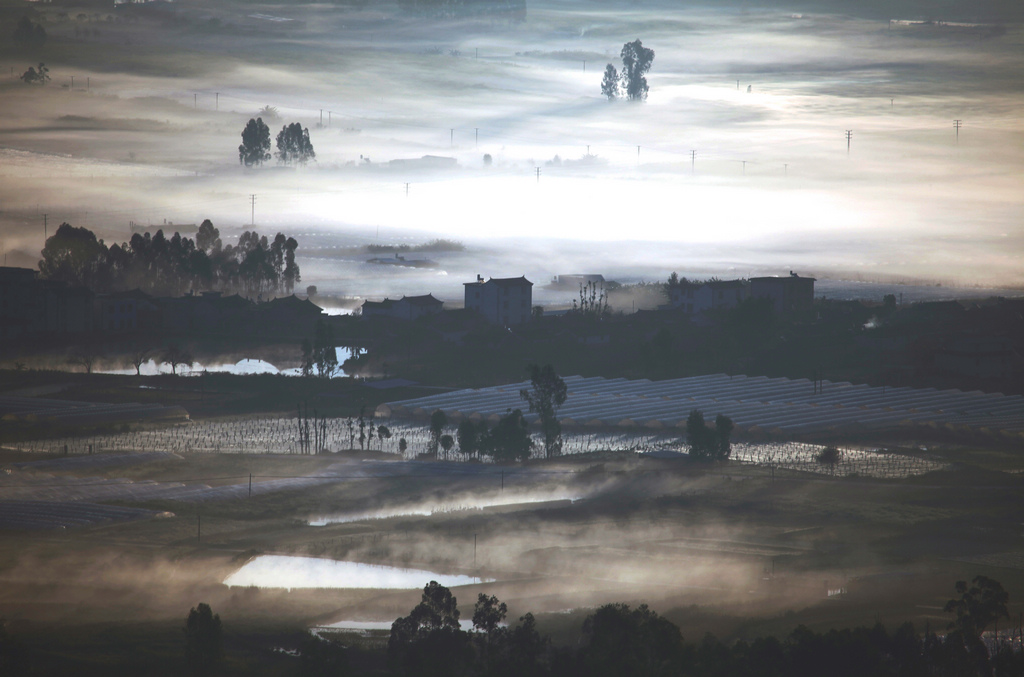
[(694, 298), (788, 294), (405, 308), (505, 301)]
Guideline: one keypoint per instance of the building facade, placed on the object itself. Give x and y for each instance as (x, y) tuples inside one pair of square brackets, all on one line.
[(506, 301), (788, 294), (694, 298), (405, 308)]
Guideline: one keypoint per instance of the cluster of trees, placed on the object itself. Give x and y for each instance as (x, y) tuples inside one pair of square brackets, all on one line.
[(618, 641), (293, 144), (707, 443), (164, 266), (636, 61), (429, 641), (29, 34), (36, 76), (508, 440)]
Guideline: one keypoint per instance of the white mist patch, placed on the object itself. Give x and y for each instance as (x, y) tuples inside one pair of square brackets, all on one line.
[(456, 505), (281, 571), (365, 627)]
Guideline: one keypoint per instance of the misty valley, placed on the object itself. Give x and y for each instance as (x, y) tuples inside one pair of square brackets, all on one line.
[(503, 338)]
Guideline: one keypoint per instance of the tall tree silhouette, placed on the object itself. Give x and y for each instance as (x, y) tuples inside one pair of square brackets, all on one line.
[(255, 146)]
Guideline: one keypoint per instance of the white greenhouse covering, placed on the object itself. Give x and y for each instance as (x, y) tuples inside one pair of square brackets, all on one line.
[(772, 405)]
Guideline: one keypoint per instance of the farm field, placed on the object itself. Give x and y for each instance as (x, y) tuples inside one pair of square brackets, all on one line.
[(736, 549)]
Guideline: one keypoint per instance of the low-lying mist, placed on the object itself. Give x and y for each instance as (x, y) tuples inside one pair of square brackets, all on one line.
[(574, 183)]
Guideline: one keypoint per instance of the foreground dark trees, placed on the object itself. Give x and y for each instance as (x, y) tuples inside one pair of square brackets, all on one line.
[(618, 641), (203, 640)]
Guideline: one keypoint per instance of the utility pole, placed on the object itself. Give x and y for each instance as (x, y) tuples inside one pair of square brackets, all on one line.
[(785, 170), (537, 169), (956, 125), (217, 103), (72, 83), (44, 229), (407, 190), (849, 135), (321, 117), (252, 203), (693, 160), (584, 65), (737, 85), (199, 528), (744, 167), (588, 150), (451, 138), (638, 155), (476, 136), (250, 485), (88, 83), (195, 101), (329, 118)]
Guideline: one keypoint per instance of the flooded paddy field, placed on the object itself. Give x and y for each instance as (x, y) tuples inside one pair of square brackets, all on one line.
[(279, 435)]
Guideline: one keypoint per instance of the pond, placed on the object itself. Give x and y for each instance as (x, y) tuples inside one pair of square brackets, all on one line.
[(281, 571), (243, 367)]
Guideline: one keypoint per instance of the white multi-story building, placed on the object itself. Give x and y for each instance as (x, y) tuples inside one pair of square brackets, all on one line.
[(505, 301)]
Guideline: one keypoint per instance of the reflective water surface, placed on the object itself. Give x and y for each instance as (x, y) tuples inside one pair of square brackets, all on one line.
[(281, 571)]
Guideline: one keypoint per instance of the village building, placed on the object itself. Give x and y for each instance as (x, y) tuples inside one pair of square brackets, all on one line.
[(30, 306), (693, 298), (405, 308), (788, 294), (505, 301)]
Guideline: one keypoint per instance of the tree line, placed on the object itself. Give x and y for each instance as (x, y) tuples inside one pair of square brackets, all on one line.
[(617, 641), (161, 266)]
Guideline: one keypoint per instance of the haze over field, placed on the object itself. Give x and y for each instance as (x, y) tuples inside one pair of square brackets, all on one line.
[(771, 187)]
